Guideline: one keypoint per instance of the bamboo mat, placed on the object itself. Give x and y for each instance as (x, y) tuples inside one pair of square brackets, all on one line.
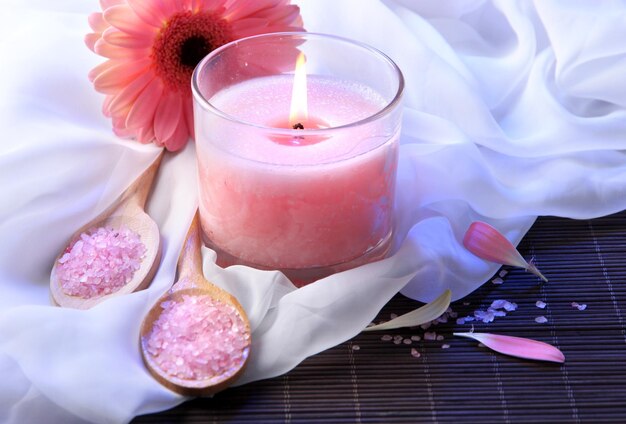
[(369, 379)]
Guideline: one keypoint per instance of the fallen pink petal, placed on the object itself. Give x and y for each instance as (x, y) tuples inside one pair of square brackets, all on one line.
[(517, 346), (488, 243)]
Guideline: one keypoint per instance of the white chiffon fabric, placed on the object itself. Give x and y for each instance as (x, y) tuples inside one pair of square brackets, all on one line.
[(513, 109)]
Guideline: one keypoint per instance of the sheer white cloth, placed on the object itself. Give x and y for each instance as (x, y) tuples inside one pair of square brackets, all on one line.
[(513, 109)]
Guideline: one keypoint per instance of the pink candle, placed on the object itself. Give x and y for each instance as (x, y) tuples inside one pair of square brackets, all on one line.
[(308, 201)]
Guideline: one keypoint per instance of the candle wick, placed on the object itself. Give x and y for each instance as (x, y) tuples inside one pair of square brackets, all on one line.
[(298, 126)]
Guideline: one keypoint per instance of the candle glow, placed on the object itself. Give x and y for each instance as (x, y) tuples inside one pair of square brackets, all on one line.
[(298, 112)]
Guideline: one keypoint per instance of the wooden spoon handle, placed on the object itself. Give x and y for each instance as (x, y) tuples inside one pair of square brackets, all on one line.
[(137, 193), (190, 259)]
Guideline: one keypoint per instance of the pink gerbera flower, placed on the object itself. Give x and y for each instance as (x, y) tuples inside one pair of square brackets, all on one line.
[(152, 47)]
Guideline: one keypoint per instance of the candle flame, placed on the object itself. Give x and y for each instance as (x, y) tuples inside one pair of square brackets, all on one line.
[(299, 112)]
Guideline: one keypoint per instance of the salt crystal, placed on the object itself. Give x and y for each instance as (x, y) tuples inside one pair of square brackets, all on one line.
[(541, 320), (415, 353), (416, 338), (497, 280), (386, 338), (440, 338), (579, 306), (484, 316), (430, 335), (510, 306), (356, 347), (445, 346), (497, 304), (407, 341), (192, 349), (540, 304), (503, 273), (93, 267), (496, 313)]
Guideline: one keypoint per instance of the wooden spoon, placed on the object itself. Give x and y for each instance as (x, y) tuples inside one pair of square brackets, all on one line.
[(128, 211), (191, 282)]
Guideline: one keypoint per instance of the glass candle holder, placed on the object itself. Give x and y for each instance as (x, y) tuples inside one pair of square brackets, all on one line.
[(305, 186)]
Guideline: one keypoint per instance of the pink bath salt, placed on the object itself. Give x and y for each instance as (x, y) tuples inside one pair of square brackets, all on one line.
[(198, 338), (100, 262)]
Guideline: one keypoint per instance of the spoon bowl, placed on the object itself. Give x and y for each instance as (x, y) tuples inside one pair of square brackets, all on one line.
[(192, 284), (127, 211)]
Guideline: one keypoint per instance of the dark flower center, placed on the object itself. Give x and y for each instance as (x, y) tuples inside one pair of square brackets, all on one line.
[(193, 50), (183, 42)]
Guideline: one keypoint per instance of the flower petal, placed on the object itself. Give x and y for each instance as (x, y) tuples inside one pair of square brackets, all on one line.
[(118, 38), (106, 105), (426, 313), (124, 99), (112, 79), (150, 11), (90, 40), (488, 243), (178, 140), (97, 22), (188, 109), (141, 113), (167, 115), (105, 4), (249, 26), (517, 346), (120, 130), (145, 135), (244, 8), (123, 18)]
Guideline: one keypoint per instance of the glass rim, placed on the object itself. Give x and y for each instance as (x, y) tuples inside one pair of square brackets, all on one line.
[(383, 111)]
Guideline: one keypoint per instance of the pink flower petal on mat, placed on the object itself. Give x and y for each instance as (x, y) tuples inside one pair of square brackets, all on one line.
[(517, 346), (488, 243)]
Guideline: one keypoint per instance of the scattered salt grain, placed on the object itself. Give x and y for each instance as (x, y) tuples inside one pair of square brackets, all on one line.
[(198, 338), (579, 306), (430, 335), (503, 273), (397, 339), (541, 320), (445, 346), (493, 311), (484, 316), (415, 353), (386, 338), (497, 304), (416, 338), (497, 280), (540, 304), (510, 306), (440, 338), (407, 341), (100, 262), (356, 347)]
